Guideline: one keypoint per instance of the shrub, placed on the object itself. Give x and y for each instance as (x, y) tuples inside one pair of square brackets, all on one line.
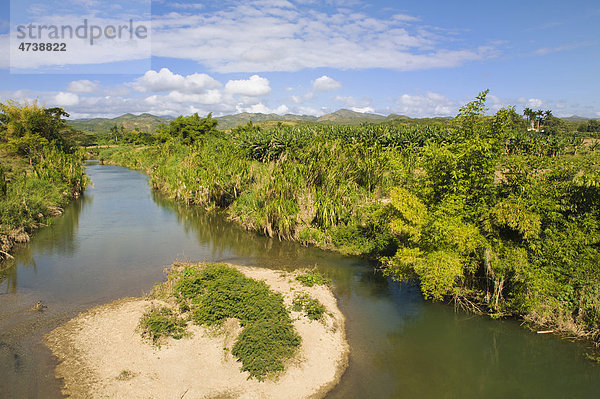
[(161, 322), (216, 292), (313, 309), (312, 277), (263, 346)]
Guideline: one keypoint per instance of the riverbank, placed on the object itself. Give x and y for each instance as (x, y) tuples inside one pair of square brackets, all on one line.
[(102, 353), (34, 193), (481, 257)]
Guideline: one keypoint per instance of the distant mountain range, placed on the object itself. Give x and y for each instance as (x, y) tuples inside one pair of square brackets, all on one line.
[(149, 123), (143, 122), (576, 118)]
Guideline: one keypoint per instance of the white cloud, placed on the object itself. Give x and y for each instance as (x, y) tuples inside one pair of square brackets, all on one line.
[(325, 83), (561, 48), (254, 87), (428, 105), (367, 110), (271, 35), (103, 54), (66, 99), (208, 98), (186, 6), (534, 103), (82, 86), (263, 109), (352, 102), (165, 80)]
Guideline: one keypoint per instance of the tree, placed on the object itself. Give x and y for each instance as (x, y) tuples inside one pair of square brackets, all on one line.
[(114, 131), (470, 115), (26, 129), (538, 117), (506, 120), (189, 130), (593, 125), (530, 114)]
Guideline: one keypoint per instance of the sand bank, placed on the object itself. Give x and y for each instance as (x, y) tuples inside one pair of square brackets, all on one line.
[(102, 355)]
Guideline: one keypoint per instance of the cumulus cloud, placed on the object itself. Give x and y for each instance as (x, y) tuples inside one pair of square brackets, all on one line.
[(365, 110), (254, 87), (353, 103), (263, 109), (325, 83), (82, 86), (66, 99), (534, 103), (165, 80), (427, 105)]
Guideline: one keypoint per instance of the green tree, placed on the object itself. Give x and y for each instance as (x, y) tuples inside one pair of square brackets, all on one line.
[(530, 115), (506, 120), (26, 129), (190, 129), (470, 115)]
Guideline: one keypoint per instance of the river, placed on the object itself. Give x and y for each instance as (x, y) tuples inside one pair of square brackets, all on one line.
[(118, 237)]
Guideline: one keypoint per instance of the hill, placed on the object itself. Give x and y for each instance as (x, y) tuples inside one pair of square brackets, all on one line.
[(345, 116), (575, 118), (143, 123), (231, 121), (149, 123)]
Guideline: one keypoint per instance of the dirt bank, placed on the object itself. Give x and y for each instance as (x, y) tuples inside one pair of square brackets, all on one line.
[(103, 356)]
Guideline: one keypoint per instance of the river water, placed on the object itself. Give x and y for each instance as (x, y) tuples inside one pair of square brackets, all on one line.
[(116, 240)]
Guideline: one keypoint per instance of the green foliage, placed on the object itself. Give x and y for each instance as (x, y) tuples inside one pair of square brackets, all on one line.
[(34, 195), (189, 130), (27, 129), (510, 214), (263, 346), (3, 183), (219, 292), (506, 120), (470, 115), (408, 214), (312, 277), (52, 173), (438, 272), (160, 322), (478, 209), (312, 308), (216, 292)]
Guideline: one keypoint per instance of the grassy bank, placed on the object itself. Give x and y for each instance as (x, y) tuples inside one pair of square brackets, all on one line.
[(209, 295), (497, 221), (39, 171)]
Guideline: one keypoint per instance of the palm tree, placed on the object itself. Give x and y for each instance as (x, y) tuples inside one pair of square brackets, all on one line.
[(538, 116), (528, 112)]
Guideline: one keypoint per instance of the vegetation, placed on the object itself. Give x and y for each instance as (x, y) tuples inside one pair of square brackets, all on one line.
[(160, 322), (313, 309), (40, 171), (212, 293), (478, 209), (311, 278)]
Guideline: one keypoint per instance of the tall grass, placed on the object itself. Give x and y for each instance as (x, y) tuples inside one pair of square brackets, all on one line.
[(36, 193), (500, 222)]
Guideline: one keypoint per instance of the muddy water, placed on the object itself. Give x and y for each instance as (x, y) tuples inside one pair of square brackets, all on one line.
[(116, 240)]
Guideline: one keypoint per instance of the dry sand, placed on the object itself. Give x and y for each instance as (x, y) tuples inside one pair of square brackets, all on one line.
[(103, 356)]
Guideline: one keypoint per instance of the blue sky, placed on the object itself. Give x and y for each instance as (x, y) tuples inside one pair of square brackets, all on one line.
[(419, 59)]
